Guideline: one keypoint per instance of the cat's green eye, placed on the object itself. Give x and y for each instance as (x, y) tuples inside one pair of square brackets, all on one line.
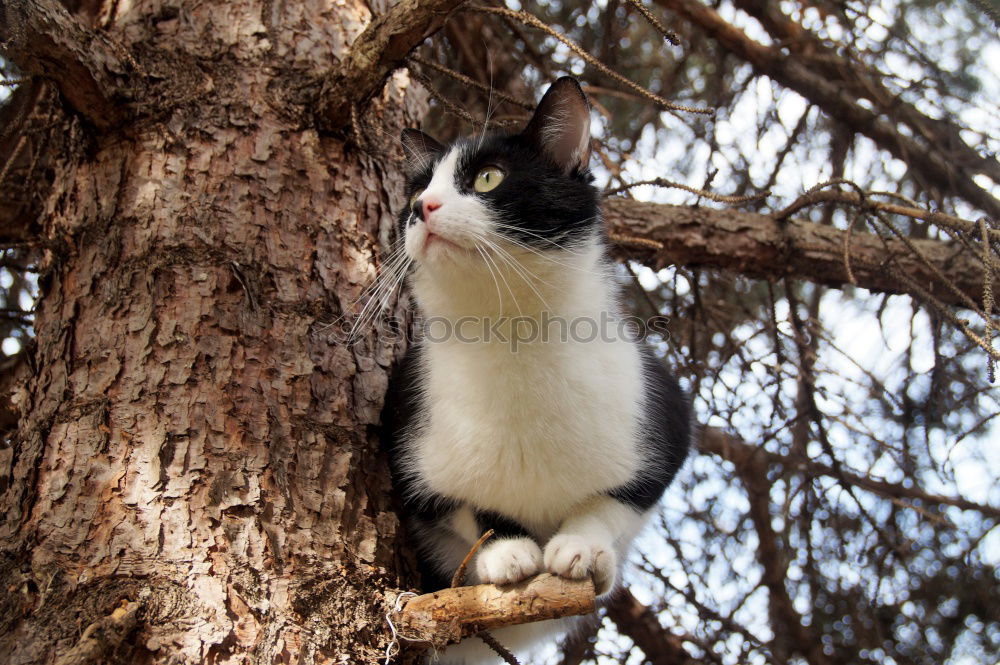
[(487, 179)]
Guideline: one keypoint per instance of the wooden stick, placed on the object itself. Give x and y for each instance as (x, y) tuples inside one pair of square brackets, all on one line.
[(458, 579), (445, 617)]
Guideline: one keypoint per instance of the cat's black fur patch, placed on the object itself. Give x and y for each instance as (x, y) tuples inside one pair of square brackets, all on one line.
[(503, 527), (667, 422)]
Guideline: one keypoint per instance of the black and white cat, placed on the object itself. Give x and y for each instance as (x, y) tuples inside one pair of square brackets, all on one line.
[(563, 445)]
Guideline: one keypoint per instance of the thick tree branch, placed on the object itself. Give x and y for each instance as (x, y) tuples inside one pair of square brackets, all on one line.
[(378, 51), (579, 644), (790, 631), (761, 246), (444, 617), (42, 38), (937, 168), (640, 624)]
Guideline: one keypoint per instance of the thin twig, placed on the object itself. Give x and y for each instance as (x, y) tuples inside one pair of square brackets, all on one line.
[(813, 197), (458, 579), (535, 22), (655, 22), (496, 646), (465, 80), (451, 107), (635, 241), (914, 288), (858, 216), (22, 141), (661, 182), (962, 296), (988, 296)]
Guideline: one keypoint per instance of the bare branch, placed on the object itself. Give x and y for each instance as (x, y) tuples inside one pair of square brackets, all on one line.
[(470, 83), (535, 22), (717, 442), (827, 62), (640, 624), (45, 40), (445, 617), (377, 52), (761, 246), (926, 159), (712, 196), (852, 198)]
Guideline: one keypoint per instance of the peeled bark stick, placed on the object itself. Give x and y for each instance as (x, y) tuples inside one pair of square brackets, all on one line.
[(445, 617)]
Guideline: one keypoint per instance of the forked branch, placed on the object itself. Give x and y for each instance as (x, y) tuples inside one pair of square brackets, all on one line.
[(378, 51), (43, 39)]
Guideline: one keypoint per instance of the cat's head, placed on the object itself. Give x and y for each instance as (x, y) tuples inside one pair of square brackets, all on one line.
[(530, 191)]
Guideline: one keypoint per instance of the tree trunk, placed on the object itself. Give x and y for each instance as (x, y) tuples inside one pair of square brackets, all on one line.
[(193, 439)]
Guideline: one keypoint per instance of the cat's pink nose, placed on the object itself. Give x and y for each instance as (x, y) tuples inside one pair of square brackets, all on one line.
[(429, 206)]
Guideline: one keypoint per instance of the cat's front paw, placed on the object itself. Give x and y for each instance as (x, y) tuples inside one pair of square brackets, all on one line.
[(576, 557), (508, 560)]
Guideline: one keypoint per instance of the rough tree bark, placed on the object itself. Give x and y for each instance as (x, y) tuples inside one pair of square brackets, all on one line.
[(196, 471), (771, 248)]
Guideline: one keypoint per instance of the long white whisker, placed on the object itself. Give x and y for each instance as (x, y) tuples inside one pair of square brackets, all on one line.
[(520, 270), (540, 237), (516, 264), (547, 257), (499, 249), (386, 276), (495, 282), (507, 284), (390, 265), (383, 302), (489, 101), (378, 297)]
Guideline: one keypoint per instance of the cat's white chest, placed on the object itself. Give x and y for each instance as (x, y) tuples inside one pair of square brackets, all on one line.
[(533, 433)]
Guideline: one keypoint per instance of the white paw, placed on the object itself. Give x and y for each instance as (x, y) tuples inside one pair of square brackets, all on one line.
[(576, 557), (508, 560)]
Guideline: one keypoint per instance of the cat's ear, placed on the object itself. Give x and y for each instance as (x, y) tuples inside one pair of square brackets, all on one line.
[(420, 148), (561, 125)]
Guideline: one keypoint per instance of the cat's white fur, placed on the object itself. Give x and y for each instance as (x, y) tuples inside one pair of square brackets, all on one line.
[(537, 434)]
